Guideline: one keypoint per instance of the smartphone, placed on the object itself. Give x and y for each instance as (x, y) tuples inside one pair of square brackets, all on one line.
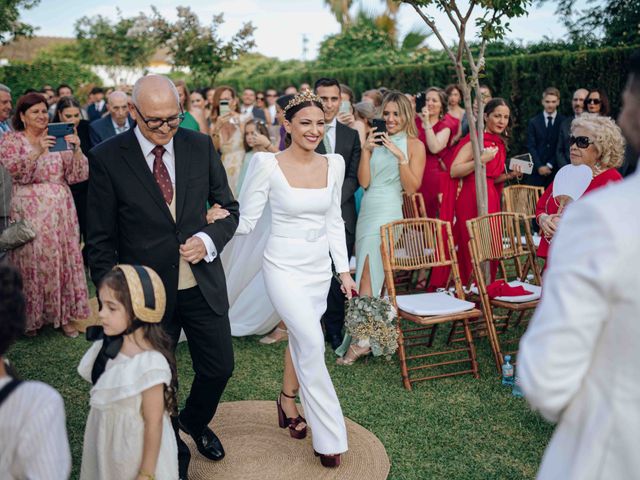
[(60, 130), (524, 161), (224, 107), (345, 106), (380, 126)]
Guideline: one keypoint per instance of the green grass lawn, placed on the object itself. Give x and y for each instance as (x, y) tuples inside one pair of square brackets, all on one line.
[(455, 428)]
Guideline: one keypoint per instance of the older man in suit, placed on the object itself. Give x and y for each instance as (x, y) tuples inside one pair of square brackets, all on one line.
[(148, 191), (542, 139), (578, 360), (562, 150), (118, 120), (339, 138)]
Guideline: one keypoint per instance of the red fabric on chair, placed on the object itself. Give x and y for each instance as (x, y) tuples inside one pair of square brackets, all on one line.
[(500, 288)]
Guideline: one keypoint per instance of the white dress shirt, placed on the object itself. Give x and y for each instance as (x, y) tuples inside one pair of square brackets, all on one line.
[(33, 435), (168, 158), (120, 129)]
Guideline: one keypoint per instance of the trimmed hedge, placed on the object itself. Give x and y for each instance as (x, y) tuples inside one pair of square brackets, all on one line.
[(20, 76), (520, 79)]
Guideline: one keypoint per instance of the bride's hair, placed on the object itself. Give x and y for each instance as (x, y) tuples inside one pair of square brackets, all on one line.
[(302, 100)]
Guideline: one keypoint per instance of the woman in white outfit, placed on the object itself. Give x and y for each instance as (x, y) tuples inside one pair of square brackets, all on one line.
[(302, 189)]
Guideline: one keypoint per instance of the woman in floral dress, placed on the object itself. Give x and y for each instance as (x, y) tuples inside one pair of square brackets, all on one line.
[(51, 265)]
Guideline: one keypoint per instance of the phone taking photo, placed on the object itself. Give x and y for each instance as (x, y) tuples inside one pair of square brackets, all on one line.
[(345, 106), (381, 127), (224, 107), (60, 130)]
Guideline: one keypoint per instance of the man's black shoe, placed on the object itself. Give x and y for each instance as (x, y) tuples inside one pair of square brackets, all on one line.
[(206, 441), (334, 339)]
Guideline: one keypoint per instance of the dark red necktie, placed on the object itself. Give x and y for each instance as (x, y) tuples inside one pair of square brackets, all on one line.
[(161, 174)]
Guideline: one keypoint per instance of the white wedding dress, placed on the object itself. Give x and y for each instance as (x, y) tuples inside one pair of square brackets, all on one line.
[(306, 225)]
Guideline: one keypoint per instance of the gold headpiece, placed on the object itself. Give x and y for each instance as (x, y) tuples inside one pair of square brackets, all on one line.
[(148, 297), (302, 97)]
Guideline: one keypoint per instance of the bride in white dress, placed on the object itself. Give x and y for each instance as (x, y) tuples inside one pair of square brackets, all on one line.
[(302, 190)]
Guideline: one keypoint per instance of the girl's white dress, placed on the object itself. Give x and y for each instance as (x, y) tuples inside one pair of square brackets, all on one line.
[(114, 434)]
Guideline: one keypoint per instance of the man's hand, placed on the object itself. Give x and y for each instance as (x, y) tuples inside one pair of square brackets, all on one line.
[(544, 171), (193, 250)]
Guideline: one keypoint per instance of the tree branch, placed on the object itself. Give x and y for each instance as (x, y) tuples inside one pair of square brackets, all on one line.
[(435, 30)]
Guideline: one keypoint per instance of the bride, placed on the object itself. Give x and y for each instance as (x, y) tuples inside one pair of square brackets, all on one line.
[(302, 191)]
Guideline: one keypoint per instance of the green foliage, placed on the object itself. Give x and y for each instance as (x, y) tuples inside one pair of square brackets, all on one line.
[(253, 65), (518, 78), (64, 52), (200, 47), (20, 76), (10, 24)]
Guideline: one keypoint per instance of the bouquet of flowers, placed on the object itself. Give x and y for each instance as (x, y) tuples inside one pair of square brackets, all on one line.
[(373, 319)]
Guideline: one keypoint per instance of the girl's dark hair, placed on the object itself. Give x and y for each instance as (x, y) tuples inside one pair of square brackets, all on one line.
[(65, 102), (12, 307), (605, 106), (152, 332), (25, 102), (260, 127), (492, 105)]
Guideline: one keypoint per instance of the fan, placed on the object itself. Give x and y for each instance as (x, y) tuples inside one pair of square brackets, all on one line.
[(570, 184)]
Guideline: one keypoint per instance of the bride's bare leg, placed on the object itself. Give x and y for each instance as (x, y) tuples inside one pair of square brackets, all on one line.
[(290, 386), (278, 334)]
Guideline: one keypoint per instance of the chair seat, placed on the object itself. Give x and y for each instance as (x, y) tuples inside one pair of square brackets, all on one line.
[(535, 237), (431, 304), (535, 290)]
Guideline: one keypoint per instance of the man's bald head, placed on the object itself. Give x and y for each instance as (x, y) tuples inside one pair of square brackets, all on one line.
[(155, 97)]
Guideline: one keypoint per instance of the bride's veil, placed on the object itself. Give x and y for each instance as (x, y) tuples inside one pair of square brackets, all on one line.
[(250, 310)]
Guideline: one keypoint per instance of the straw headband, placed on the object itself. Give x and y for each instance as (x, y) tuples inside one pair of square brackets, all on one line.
[(148, 297), (303, 97)]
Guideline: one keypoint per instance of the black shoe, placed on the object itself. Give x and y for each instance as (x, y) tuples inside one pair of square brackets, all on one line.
[(208, 443), (184, 457), (334, 339)]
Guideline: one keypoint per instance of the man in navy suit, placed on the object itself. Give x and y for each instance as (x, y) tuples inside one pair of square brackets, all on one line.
[(118, 120), (98, 107), (542, 139)]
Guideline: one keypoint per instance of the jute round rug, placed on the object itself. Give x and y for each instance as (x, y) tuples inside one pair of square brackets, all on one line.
[(257, 449)]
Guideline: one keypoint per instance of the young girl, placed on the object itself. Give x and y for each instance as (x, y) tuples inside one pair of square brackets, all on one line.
[(256, 139), (128, 433)]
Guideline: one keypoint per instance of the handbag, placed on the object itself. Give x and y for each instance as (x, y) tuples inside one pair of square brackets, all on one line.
[(17, 234)]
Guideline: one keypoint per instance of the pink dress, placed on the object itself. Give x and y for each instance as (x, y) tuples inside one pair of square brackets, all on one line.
[(55, 286)]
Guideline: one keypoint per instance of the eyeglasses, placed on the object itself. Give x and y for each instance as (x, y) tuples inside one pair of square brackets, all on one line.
[(157, 123), (260, 98), (581, 142), (595, 101), (271, 95)]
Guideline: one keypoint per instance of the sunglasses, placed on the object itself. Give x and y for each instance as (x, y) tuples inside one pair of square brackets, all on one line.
[(271, 95), (581, 142), (259, 98), (595, 101)]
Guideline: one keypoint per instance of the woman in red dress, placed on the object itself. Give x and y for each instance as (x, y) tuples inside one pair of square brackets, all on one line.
[(436, 129), (596, 142), (497, 120)]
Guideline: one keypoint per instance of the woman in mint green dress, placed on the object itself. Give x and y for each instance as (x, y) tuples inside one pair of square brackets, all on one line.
[(384, 172), (194, 118)]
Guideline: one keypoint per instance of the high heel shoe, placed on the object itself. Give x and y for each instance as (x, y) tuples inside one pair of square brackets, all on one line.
[(329, 461), (347, 361), (292, 423), (278, 335)]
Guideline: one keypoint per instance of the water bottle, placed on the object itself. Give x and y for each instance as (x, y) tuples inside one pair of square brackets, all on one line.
[(517, 391), (507, 371)]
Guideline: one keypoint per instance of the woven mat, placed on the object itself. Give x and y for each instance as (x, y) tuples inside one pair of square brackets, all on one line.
[(257, 449)]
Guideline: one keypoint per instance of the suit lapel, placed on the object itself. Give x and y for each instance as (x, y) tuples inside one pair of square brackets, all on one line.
[(182, 154), (132, 153), (339, 138)]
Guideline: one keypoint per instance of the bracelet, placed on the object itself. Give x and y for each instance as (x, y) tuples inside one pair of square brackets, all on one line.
[(405, 162), (149, 476)]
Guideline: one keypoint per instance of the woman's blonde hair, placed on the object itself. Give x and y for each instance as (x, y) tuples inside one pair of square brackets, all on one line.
[(606, 135), (405, 110)]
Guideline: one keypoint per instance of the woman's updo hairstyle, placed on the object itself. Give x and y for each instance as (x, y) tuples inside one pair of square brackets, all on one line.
[(302, 100)]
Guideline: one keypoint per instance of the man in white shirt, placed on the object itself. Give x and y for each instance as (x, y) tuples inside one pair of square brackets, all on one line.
[(248, 108), (578, 360), (33, 435)]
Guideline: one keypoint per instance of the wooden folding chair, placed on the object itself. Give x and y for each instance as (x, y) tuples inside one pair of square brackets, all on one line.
[(522, 199), (497, 238), (413, 205), (414, 245)]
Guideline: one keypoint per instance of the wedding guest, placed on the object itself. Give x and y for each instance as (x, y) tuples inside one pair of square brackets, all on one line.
[(68, 110), (596, 142), (436, 129), (385, 170), (373, 96), (98, 106), (261, 104), (5, 109), (290, 90), (5, 178), (118, 120), (303, 191), (226, 132), (194, 118), (256, 139), (128, 432), (578, 359), (271, 95), (63, 90), (248, 107), (497, 120), (454, 98), (33, 434), (542, 139), (197, 100), (349, 118), (597, 101), (486, 95), (577, 105), (51, 264)]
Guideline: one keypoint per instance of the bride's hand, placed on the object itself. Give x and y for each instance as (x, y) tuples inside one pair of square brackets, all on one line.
[(216, 213), (348, 285)]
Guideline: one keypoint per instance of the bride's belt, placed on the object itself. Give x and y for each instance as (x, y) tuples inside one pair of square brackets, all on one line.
[(310, 235)]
